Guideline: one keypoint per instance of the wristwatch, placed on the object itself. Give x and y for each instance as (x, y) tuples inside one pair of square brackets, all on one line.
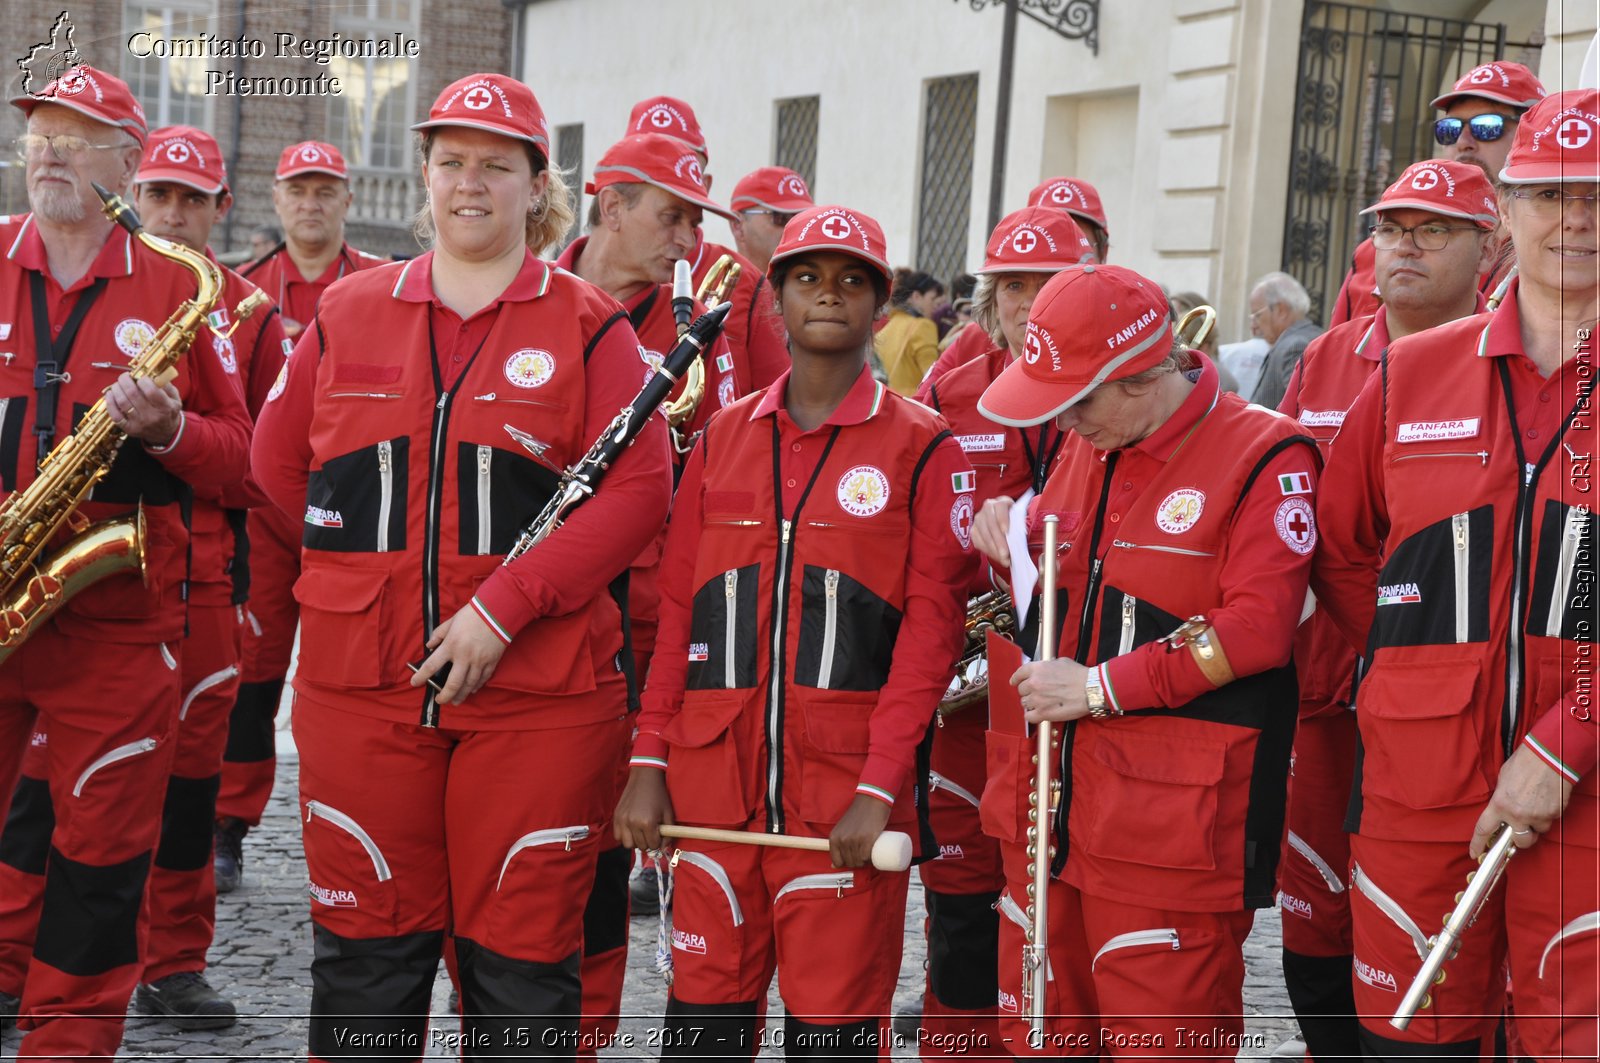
[(1099, 707)]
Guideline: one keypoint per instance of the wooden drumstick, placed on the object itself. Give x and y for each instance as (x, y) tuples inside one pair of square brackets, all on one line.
[(890, 852)]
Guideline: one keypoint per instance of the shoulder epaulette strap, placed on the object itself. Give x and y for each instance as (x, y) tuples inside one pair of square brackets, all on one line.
[(600, 332), (1272, 452), (927, 455)]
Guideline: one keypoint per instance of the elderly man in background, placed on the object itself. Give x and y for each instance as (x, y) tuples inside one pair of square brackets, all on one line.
[(1278, 309)]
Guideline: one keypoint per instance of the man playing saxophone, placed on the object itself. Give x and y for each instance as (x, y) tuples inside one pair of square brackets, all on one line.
[(79, 300)]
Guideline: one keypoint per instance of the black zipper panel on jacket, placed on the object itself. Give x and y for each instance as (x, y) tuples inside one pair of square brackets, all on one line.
[(710, 653), (858, 654), (518, 486), (780, 622), (1522, 537), (1574, 598), (16, 415), (344, 501), (434, 515), (1423, 566)]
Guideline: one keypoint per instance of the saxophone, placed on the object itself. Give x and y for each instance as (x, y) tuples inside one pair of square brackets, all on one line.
[(33, 588)]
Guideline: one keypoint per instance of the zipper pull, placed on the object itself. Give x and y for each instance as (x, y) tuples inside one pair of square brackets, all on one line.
[(385, 450), (844, 880), (1483, 456), (1127, 612), (442, 400), (1119, 542), (730, 582), (787, 524), (484, 455), (567, 841), (1461, 530), (831, 583), (672, 865), (1527, 474)]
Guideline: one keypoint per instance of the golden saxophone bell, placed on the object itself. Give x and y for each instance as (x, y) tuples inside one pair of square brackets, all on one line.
[(1208, 320), (987, 612)]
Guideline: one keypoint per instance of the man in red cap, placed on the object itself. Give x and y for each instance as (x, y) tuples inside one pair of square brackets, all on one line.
[(1481, 112), (758, 348), (763, 202), (181, 193), (311, 194), (102, 677), (1187, 529), (962, 885), (643, 219), (1458, 556), (1434, 237)]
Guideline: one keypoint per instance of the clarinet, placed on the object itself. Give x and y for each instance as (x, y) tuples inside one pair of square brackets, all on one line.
[(581, 480)]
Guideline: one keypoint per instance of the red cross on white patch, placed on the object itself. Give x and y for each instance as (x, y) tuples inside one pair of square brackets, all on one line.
[(1024, 241), (1296, 524), (477, 98), (1575, 133), (73, 83), (1481, 75), (1031, 348), (1061, 194), (310, 154), (178, 152), (836, 228), (660, 118), (1424, 180)]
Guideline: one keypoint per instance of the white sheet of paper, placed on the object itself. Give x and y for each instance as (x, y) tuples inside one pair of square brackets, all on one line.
[(1024, 573)]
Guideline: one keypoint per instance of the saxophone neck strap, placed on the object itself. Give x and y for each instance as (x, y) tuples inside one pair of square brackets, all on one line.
[(50, 362)]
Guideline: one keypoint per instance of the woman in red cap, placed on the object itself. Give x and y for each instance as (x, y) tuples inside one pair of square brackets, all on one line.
[(419, 427), (1186, 530), (963, 883), (1459, 558), (811, 595)]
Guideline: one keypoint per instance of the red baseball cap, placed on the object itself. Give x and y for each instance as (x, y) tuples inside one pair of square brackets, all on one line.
[(669, 115), (94, 94), (1036, 240), (1089, 325), (493, 102), (311, 156), (1454, 189), (834, 229), (1503, 82), (775, 188), (656, 159), (184, 155), (1558, 140), (1071, 195)]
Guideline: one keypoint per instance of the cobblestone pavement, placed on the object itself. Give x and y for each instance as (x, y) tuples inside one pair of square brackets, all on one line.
[(262, 956)]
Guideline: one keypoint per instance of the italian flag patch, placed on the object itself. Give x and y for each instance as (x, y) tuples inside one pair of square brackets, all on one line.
[(1295, 483), (962, 482), (218, 319), (724, 363)]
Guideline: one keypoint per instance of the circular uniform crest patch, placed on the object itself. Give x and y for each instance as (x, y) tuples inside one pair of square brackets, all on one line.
[(1296, 523), (961, 520), (863, 491), (530, 367), (279, 384), (725, 392), (132, 335), (225, 351), (1180, 510)]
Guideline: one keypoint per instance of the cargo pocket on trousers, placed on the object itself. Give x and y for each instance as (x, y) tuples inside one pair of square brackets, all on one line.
[(1410, 706), (709, 771), (351, 886), (539, 867), (707, 920), (1003, 808), (1155, 801), (342, 628)]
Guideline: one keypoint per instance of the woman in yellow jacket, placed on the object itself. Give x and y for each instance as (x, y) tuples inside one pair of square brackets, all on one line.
[(908, 343)]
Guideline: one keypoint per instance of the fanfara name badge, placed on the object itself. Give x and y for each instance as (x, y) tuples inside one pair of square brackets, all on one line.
[(530, 367), (1180, 510), (863, 491), (132, 335)]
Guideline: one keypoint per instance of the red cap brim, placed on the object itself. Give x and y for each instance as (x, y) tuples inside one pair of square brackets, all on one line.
[(1020, 401)]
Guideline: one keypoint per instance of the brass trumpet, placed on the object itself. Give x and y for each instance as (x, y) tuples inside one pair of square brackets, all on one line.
[(991, 611), (719, 281)]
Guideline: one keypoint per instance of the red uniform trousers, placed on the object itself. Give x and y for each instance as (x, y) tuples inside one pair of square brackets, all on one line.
[(109, 710), (183, 892), (250, 760), (457, 841), (741, 910), (962, 885)]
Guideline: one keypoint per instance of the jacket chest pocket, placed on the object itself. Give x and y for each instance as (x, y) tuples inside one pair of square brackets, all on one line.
[(1126, 623), (1433, 589), (847, 633), (1562, 603), (498, 493), (723, 631), (356, 502)]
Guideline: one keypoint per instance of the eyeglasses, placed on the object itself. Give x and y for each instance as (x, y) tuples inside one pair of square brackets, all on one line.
[(1257, 313), (1430, 237), (1549, 202), (67, 146), (1485, 127)]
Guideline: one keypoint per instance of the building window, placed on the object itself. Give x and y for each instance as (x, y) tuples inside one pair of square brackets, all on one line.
[(949, 126), (369, 121), (569, 159), (171, 91), (796, 141)]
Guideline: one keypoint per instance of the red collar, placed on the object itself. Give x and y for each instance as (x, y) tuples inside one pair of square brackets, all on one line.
[(415, 282), (1164, 442), (861, 403), (114, 260)]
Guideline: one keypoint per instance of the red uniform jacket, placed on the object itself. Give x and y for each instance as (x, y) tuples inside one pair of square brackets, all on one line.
[(1459, 538), (1358, 295), (416, 473), (297, 296), (1179, 803), (811, 611), (254, 354), (754, 331), (133, 291)]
